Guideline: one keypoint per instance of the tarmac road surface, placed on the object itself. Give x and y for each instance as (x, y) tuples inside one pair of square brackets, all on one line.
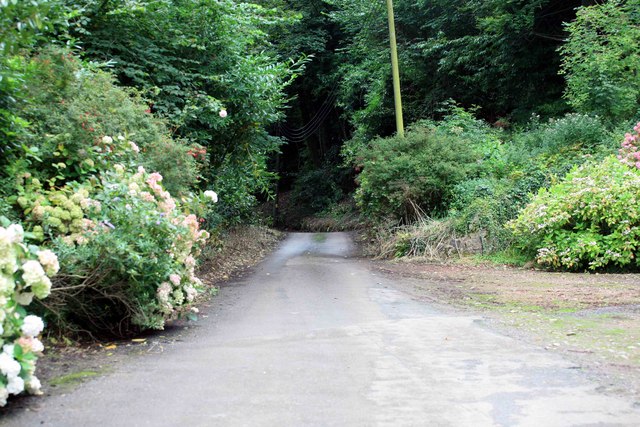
[(313, 337)]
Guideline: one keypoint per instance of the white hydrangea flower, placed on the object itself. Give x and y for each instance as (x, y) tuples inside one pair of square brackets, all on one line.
[(8, 349), (32, 326), (16, 233), (15, 385), (49, 261), (107, 139), (163, 292), (33, 272), (8, 262), (9, 366), (175, 279), (178, 297), (211, 195), (4, 394), (5, 239), (35, 278), (191, 293), (37, 346), (33, 385), (43, 288), (38, 212), (190, 261), (7, 285)]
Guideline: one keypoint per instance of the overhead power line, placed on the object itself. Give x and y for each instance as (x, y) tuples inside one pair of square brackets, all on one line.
[(302, 133)]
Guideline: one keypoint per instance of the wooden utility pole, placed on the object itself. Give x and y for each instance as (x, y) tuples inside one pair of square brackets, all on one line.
[(395, 70)]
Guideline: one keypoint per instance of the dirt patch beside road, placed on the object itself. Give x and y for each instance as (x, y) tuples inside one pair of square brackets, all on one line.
[(594, 319)]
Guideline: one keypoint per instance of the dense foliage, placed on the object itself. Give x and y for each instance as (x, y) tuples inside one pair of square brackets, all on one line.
[(132, 265), (111, 149), (405, 177), (497, 54), (205, 67), (602, 60), (589, 220)]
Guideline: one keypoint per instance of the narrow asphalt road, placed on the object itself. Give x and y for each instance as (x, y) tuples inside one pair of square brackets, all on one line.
[(313, 337)]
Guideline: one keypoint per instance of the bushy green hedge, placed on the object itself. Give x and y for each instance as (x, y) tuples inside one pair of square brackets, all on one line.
[(601, 60), (589, 220), (403, 178), (476, 176), (132, 266), (529, 159), (127, 238), (71, 107)]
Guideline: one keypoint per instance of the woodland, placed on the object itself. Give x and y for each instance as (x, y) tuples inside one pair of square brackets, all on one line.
[(134, 133)]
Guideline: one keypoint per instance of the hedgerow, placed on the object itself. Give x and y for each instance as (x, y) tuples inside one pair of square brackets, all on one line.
[(590, 219)]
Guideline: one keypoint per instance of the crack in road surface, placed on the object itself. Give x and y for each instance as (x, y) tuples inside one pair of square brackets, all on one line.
[(314, 337)]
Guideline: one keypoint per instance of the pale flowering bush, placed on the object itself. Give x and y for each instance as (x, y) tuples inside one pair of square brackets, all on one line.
[(628, 153), (590, 220), (120, 233), (60, 211), (25, 273), (60, 206), (137, 267)]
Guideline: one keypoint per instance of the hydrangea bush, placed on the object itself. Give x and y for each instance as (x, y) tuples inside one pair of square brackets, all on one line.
[(628, 153), (589, 220), (60, 208), (144, 197), (127, 247), (25, 273), (135, 262)]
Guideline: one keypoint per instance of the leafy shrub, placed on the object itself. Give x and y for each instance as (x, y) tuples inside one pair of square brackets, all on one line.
[(558, 145), (127, 247), (58, 212), (134, 267), (24, 274), (62, 210), (533, 158), (628, 153), (487, 216), (81, 123), (402, 177), (180, 164), (237, 191), (22, 24), (601, 59), (588, 220)]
